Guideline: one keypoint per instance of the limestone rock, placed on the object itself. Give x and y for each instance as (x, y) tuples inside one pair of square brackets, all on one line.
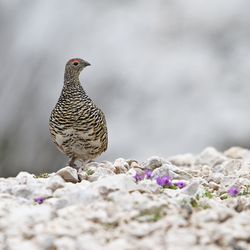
[(110, 209), (238, 153), (191, 189), (69, 174), (121, 166), (210, 156), (99, 172), (115, 182), (182, 160), (54, 182), (167, 169), (154, 162)]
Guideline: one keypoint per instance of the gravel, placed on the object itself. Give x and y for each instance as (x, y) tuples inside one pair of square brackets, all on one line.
[(206, 204)]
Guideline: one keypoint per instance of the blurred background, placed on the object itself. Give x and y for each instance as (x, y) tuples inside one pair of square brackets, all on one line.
[(172, 76)]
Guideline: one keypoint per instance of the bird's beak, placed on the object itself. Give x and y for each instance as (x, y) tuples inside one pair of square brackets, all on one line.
[(86, 64)]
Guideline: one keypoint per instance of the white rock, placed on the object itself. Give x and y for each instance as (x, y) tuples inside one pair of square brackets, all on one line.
[(115, 212), (121, 166), (69, 174), (88, 242), (58, 203), (238, 204), (231, 167), (28, 187), (219, 168), (244, 182), (41, 191), (65, 225), (155, 162), (138, 229), (92, 165), (228, 181), (181, 174), (6, 185), (119, 244), (148, 186), (206, 171), (54, 182), (191, 189), (21, 190), (165, 170), (217, 177), (238, 153), (182, 160), (74, 193), (210, 156), (135, 165), (218, 213), (244, 170), (99, 172), (172, 171), (131, 172), (94, 170), (64, 243), (19, 243), (115, 182), (213, 185), (24, 178), (180, 238), (107, 164), (44, 241)]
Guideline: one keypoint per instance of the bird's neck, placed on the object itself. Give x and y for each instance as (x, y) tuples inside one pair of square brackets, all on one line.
[(71, 79)]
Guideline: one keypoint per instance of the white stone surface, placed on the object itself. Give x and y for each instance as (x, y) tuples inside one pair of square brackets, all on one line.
[(109, 209), (68, 174)]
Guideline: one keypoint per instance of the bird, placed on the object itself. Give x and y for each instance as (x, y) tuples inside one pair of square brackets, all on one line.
[(77, 126)]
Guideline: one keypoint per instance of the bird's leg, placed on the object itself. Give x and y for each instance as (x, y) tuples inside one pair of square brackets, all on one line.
[(83, 170), (72, 162), (83, 164)]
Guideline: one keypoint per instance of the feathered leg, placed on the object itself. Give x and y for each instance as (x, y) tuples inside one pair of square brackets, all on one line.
[(72, 162)]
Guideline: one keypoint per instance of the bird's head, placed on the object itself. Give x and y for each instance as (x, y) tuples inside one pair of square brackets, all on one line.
[(76, 65)]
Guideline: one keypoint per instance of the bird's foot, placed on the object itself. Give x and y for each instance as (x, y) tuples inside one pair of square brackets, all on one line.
[(72, 164)]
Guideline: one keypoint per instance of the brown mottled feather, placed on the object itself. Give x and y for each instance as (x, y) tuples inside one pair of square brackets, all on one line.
[(77, 125)]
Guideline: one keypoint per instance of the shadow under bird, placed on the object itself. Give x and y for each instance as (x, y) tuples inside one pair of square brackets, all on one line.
[(77, 126)]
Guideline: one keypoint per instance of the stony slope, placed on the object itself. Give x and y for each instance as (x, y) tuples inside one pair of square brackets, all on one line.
[(110, 208)]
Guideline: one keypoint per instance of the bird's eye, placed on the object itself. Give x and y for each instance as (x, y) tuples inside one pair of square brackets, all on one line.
[(76, 63)]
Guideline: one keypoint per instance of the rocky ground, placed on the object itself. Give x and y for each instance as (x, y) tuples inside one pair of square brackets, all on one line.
[(184, 202)]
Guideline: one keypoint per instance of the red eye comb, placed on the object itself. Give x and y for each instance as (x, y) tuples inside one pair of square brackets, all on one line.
[(74, 60)]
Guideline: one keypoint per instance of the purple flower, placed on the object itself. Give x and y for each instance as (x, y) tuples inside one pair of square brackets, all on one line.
[(138, 177), (164, 181), (149, 174), (233, 191), (39, 200), (180, 184)]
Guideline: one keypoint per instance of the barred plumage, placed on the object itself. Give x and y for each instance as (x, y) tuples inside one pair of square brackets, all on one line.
[(77, 126)]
